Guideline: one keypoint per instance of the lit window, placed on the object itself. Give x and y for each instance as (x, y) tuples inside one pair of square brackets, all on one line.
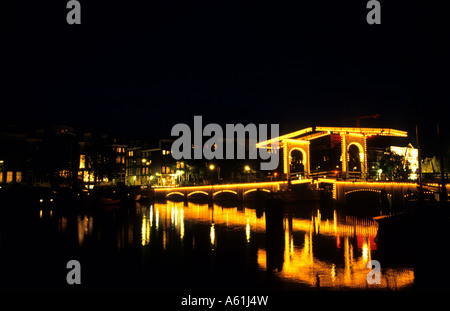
[(163, 169), (88, 176), (130, 153), (1, 177), (82, 161), (123, 160), (18, 176), (118, 159), (9, 177)]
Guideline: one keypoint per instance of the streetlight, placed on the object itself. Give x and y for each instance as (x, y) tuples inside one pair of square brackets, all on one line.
[(247, 172), (212, 167)]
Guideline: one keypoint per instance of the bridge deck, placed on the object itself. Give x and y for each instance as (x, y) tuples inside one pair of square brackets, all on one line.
[(239, 189)]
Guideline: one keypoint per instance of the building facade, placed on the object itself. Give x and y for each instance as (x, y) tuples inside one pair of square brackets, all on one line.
[(60, 156), (154, 166)]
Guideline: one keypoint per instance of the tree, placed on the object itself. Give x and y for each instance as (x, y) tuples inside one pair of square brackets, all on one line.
[(394, 166)]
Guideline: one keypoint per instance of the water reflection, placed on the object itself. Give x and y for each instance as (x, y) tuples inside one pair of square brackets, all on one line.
[(176, 241), (317, 251), (85, 226)]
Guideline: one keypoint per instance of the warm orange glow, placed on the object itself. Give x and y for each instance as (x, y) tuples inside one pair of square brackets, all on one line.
[(300, 264), (323, 131), (363, 130), (299, 261), (202, 192), (343, 153), (301, 181), (179, 193), (82, 161), (253, 190), (215, 188), (221, 191), (348, 137), (284, 137)]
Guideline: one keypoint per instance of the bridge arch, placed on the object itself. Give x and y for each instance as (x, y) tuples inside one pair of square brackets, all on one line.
[(198, 192), (364, 202), (219, 192), (175, 192), (356, 144), (175, 195), (253, 190), (248, 194), (297, 164), (355, 157), (290, 145)]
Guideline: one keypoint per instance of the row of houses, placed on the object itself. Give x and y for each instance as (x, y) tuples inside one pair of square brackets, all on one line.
[(64, 156)]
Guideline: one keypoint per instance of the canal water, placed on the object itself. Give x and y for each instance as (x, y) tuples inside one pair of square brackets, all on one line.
[(195, 246)]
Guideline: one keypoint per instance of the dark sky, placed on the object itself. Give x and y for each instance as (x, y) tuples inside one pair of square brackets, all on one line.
[(143, 66)]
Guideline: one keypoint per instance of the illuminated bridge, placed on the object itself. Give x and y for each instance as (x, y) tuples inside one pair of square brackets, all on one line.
[(395, 192), (353, 148), (212, 192)]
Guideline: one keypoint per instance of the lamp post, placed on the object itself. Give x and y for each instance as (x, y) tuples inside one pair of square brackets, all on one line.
[(247, 171), (212, 167)]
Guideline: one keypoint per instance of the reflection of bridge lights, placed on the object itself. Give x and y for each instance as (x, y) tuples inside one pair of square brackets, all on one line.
[(145, 231), (247, 231), (212, 235), (300, 264), (181, 223), (365, 251)]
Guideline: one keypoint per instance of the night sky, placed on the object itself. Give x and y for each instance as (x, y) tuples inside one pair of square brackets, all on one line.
[(142, 66)]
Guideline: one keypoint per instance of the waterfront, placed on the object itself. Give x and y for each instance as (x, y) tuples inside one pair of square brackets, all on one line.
[(195, 246)]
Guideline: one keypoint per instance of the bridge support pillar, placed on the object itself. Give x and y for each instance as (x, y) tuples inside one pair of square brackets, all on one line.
[(210, 195), (240, 194)]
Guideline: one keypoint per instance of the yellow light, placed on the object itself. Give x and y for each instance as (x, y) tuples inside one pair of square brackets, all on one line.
[(247, 231), (211, 167), (284, 137), (365, 251), (247, 168), (82, 161), (212, 234), (220, 191), (274, 184), (144, 160)]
